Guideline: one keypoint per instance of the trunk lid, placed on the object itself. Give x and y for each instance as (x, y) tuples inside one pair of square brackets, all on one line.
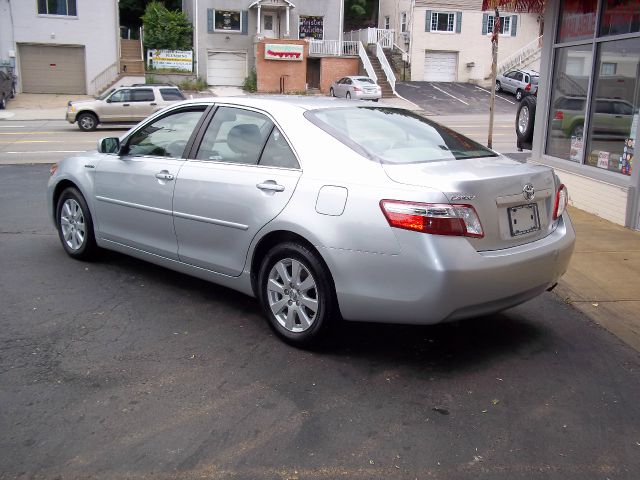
[(494, 186)]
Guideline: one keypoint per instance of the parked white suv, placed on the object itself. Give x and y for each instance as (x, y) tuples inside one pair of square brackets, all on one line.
[(122, 105)]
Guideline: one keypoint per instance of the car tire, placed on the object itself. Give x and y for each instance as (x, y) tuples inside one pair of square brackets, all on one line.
[(525, 119), (519, 95), (3, 103), (376, 99), (13, 92), (87, 121), (75, 225), (332, 93), (289, 302), (348, 96), (577, 131), (498, 86)]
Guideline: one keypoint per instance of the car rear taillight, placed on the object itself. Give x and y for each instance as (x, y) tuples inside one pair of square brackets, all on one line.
[(433, 218), (562, 199), (559, 115), (357, 89), (527, 88)]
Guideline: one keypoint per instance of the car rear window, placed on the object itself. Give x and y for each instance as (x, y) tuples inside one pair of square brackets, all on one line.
[(142, 95), (365, 80), (534, 80), (395, 136), (169, 94)]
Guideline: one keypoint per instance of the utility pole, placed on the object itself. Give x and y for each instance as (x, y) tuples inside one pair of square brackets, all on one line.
[(494, 72)]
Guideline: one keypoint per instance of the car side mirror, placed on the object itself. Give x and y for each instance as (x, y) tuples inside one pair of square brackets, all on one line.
[(108, 100), (109, 145)]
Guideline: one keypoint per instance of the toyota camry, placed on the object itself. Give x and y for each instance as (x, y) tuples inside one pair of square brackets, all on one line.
[(323, 209)]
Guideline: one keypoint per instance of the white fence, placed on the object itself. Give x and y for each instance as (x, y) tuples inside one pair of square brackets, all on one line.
[(391, 77), (367, 63), (371, 36), (333, 48)]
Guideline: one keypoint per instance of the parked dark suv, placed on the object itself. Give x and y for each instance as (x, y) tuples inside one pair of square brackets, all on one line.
[(7, 87)]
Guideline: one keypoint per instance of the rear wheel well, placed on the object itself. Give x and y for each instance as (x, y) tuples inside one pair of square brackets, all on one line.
[(272, 239)]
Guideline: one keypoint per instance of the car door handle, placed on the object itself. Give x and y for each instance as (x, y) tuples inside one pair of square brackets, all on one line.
[(126, 105), (270, 186), (164, 175), (153, 104)]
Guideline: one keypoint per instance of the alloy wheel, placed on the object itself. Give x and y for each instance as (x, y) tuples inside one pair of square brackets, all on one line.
[(523, 119), (72, 224), (292, 294)]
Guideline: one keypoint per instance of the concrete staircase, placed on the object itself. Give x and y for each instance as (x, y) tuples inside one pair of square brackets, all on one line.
[(387, 91), (523, 57), (394, 57), (131, 61)]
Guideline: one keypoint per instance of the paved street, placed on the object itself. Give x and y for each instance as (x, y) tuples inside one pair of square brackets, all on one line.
[(119, 369)]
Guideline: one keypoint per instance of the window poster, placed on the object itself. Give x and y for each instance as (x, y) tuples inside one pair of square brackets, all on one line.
[(311, 27)]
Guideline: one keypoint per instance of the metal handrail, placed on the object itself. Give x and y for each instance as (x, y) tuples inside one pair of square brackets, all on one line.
[(384, 63), (104, 78), (525, 52), (362, 53)]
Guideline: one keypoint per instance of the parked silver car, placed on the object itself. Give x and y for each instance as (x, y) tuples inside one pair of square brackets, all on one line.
[(323, 209), (519, 82), (122, 105), (361, 88)]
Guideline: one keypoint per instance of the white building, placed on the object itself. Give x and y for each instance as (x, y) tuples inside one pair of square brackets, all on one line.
[(60, 46), (450, 40)]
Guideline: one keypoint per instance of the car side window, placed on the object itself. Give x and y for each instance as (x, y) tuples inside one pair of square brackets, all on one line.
[(143, 95), (510, 74), (167, 136), (518, 76), (277, 152), (622, 108), (170, 94), (348, 81), (235, 136), (121, 96), (604, 106)]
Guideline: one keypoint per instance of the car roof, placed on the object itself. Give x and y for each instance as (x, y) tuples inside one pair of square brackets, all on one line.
[(143, 85), (269, 102)]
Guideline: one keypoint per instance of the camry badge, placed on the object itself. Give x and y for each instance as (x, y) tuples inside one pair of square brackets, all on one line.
[(528, 192), (462, 197)]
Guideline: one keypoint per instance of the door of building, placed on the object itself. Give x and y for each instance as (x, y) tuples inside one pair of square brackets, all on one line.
[(313, 73), (269, 25)]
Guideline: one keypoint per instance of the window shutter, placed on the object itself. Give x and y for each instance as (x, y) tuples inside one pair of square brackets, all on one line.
[(485, 21), (427, 24), (210, 20), (514, 25), (245, 22), (458, 22)]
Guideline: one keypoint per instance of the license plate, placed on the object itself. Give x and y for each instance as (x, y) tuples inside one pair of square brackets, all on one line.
[(523, 219)]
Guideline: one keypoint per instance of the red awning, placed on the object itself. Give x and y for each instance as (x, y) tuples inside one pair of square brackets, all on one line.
[(533, 6)]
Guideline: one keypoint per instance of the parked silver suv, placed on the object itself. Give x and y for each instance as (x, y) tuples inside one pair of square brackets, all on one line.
[(122, 105), (519, 82)]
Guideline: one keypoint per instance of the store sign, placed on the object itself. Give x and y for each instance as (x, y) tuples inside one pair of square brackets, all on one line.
[(311, 27), (171, 59), (275, 51)]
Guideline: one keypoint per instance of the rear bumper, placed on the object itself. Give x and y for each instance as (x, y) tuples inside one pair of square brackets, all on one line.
[(367, 96), (436, 279)]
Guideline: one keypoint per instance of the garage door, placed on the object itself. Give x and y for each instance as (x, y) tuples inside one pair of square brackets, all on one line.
[(440, 66), (52, 69), (226, 68)]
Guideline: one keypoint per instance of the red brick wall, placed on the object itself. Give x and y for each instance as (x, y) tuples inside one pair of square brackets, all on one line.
[(332, 69), (270, 71)]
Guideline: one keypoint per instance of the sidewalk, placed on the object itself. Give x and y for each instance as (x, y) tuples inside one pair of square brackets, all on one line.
[(40, 106), (603, 280)]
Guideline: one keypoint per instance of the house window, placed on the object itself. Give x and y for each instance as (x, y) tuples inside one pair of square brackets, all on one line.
[(387, 23), (57, 7), (311, 27), (505, 25), (608, 68), (227, 21), (442, 22), (403, 22)]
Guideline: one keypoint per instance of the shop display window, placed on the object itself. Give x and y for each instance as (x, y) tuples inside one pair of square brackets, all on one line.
[(568, 106), (577, 20), (614, 112)]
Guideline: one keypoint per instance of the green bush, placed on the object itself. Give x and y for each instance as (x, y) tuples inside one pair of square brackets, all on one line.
[(251, 82), (166, 30), (196, 85)]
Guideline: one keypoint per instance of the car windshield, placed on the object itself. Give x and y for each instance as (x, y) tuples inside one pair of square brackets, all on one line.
[(105, 94), (364, 80), (395, 136)]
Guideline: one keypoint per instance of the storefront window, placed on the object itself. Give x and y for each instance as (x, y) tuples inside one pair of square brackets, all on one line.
[(614, 117), (577, 20), (569, 102), (620, 16)]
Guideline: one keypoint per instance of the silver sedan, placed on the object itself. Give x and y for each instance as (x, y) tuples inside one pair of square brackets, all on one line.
[(358, 88), (322, 209)]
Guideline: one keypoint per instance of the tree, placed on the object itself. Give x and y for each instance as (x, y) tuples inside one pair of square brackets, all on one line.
[(360, 14), (165, 29), (131, 11)]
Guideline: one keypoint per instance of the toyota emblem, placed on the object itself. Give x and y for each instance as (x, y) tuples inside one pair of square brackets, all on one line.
[(528, 192)]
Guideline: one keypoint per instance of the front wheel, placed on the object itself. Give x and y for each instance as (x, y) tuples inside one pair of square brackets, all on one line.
[(498, 86), (3, 103), (332, 93), (296, 293), (75, 225), (87, 122), (348, 96)]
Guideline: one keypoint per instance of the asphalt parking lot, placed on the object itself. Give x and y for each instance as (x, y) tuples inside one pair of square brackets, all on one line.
[(118, 369), (448, 98)]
